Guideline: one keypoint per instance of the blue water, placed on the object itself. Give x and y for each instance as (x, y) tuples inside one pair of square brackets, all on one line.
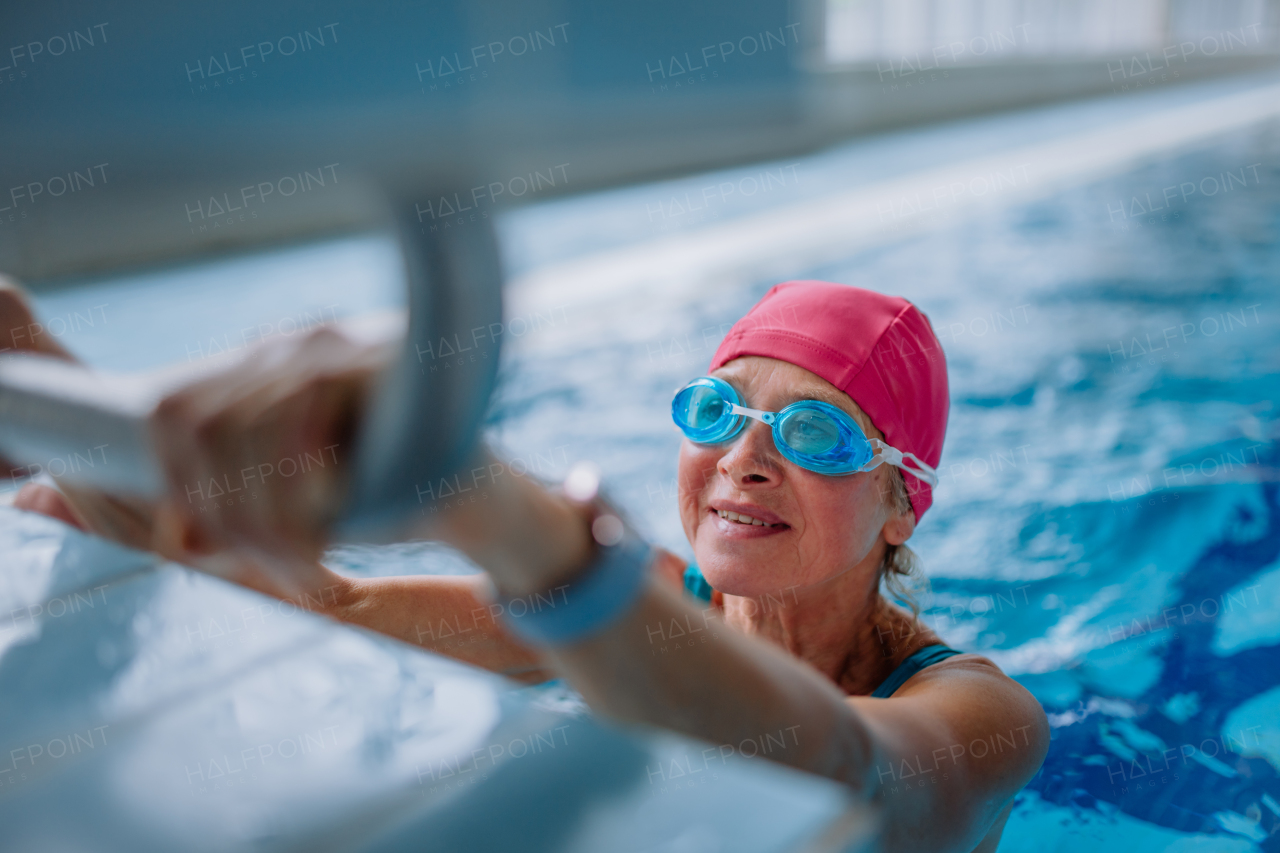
[(1066, 525), (1106, 528)]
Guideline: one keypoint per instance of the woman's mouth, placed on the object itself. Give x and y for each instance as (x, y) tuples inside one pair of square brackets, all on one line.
[(740, 525), (741, 518)]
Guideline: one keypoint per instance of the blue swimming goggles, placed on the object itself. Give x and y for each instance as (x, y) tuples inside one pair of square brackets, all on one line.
[(815, 435)]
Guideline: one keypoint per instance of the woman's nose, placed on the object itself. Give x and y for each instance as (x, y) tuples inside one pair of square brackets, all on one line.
[(752, 458)]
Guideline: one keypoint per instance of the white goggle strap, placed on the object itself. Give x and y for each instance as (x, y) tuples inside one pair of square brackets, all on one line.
[(908, 462)]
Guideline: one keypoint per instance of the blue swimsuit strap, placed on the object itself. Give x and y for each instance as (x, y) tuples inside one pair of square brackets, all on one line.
[(927, 656), (696, 585)]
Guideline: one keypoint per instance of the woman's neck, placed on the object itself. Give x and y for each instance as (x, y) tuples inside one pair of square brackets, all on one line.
[(842, 627)]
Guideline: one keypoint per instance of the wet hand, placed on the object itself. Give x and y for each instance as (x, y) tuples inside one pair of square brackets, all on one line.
[(256, 458)]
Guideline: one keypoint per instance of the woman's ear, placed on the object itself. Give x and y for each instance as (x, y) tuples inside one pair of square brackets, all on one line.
[(899, 527)]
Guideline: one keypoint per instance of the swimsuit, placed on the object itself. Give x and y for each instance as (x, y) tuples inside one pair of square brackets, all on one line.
[(696, 585)]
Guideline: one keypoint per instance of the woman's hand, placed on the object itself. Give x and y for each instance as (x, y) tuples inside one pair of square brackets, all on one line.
[(254, 457), (256, 460)]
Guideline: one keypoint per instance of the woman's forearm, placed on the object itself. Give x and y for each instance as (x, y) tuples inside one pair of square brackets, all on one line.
[(719, 685), (446, 614), (669, 664)]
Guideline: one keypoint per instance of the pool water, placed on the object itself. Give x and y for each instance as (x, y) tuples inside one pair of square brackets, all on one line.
[(1106, 528)]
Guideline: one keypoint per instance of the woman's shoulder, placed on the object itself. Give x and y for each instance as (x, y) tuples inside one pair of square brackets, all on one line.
[(972, 686), (966, 666)]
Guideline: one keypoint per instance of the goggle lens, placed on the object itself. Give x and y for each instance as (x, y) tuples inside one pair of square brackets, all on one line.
[(819, 437), (704, 411), (809, 431), (703, 407)]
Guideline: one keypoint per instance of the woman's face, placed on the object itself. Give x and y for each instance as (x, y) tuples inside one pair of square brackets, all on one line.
[(822, 526)]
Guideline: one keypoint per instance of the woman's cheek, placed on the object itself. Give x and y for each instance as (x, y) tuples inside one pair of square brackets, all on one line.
[(839, 514), (695, 468)]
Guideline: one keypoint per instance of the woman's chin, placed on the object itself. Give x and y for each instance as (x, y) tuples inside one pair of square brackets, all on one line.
[(738, 571), (737, 582)]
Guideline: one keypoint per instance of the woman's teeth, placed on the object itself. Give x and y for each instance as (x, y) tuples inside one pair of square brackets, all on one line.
[(743, 519)]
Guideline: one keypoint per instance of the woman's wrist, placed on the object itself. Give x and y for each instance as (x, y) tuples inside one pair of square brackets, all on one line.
[(549, 545), (526, 537)]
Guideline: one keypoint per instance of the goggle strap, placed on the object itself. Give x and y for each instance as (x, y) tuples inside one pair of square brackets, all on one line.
[(922, 470), (899, 459)]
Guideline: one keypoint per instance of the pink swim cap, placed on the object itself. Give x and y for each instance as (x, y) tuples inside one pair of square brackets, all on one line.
[(880, 350)]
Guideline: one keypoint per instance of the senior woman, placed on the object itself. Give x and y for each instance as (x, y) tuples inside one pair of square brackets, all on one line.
[(805, 468)]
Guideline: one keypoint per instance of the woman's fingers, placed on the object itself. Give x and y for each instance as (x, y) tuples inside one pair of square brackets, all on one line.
[(305, 494), (125, 520), (46, 500)]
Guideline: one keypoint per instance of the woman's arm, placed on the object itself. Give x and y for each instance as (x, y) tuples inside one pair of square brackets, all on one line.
[(454, 615), (418, 609), (727, 688), (943, 758), (730, 688), (447, 614), (960, 739)]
